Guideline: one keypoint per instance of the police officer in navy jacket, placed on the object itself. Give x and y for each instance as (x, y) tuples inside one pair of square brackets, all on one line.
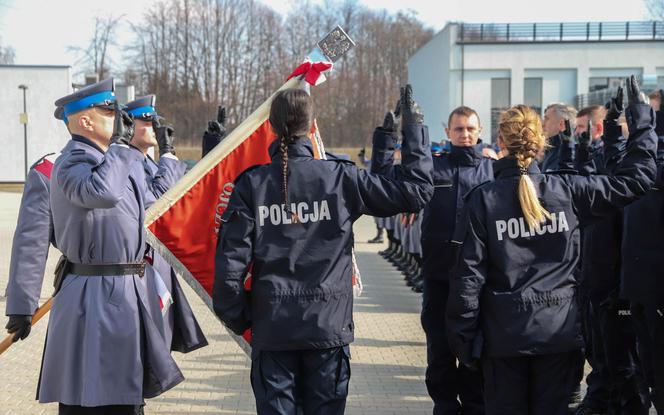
[(642, 280), (616, 383), (293, 220), (455, 173), (513, 297)]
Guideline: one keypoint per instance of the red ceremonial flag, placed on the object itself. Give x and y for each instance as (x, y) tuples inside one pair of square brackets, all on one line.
[(183, 225)]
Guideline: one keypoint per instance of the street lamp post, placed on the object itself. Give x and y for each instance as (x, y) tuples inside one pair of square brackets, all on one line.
[(24, 121)]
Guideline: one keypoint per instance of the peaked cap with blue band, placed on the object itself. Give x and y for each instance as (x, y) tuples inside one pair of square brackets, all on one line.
[(142, 108), (100, 94)]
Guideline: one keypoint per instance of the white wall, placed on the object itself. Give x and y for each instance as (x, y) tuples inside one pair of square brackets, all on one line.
[(45, 133), (565, 69), (428, 74)]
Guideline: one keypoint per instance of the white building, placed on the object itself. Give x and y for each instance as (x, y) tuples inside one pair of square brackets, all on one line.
[(490, 67), (45, 134)]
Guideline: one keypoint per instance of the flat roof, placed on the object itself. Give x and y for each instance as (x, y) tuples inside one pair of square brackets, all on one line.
[(560, 32), (37, 66)]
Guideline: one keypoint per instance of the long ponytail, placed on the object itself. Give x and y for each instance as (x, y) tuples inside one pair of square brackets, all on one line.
[(521, 131)]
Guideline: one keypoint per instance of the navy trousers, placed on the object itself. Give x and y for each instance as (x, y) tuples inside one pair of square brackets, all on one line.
[(529, 385), (597, 394), (628, 391), (453, 388), (649, 325), (308, 382)]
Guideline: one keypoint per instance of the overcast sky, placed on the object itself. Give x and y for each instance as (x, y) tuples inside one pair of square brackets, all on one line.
[(41, 30)]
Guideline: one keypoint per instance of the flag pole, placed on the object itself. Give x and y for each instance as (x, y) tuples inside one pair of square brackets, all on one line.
[(41, 312)]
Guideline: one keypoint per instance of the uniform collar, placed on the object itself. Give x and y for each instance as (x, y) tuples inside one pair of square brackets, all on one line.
[(300, 148), (468, 156), (555, 140), (84, 140), (507, 166)]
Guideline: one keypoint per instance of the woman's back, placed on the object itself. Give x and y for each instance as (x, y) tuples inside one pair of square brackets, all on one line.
[(520, 273), (297, 234)]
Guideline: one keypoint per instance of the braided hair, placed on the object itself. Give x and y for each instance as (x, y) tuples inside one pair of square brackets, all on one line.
[(291, 114), (521, 131)]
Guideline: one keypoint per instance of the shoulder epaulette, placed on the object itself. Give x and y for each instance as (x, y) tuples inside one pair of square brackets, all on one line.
[(468, 193), (45, 164), (248, 169), (340, 160)]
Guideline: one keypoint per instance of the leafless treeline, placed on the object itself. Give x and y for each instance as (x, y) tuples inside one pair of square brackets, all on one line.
[(195, 54)]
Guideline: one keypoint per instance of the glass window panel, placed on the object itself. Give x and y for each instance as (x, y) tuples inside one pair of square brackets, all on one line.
[(532, 93), (500, 101)]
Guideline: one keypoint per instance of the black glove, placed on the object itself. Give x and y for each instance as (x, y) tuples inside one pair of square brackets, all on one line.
[(218, 126), (123, 127), (585, 137), (614, 108), (164, 133), (634, 94), (20, 325), (567, 135), (391, 121), (410, 111)]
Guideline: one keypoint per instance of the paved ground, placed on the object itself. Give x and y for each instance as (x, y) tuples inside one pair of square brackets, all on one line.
[(388, 360)]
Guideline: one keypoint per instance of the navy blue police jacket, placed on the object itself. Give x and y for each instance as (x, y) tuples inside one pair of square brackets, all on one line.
[(514, 289), (301, 292), (454, 175), (558, 155), (642, 280), (601, 236)]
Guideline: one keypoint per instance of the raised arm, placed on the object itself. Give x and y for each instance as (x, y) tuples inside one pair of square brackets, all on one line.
[(601, 195), (409, 190)]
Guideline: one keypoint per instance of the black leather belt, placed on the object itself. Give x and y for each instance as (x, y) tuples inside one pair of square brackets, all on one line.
[(107, 269)]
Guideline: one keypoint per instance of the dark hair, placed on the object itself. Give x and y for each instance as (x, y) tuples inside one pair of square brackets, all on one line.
[(462, 111), (291, 114), (596, 113)]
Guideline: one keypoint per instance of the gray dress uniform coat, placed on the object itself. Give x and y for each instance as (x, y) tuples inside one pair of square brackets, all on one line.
[(103, 346), (34, 233), (180, 327)]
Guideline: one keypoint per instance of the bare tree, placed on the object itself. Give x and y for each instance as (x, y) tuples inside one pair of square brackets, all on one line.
[(656, 9), (96, 56), (197, 54), (6, 54)]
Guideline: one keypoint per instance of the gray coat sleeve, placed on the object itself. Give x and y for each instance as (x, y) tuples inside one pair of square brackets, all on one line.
[(32, 238), (169, 171), (90, 184)]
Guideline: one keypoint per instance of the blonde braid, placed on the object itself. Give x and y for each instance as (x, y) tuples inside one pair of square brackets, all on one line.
[(521, 131)]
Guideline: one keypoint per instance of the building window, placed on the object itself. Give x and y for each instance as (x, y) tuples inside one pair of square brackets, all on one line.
[(532, 93), (500, 101), (597, 83)]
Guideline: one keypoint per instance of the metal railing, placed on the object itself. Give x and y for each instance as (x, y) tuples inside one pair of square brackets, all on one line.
[(560, 32)]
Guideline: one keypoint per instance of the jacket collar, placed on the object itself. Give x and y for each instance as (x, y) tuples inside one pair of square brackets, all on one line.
[(84, 140), (466, 156), (301, 148), (507, 167)]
